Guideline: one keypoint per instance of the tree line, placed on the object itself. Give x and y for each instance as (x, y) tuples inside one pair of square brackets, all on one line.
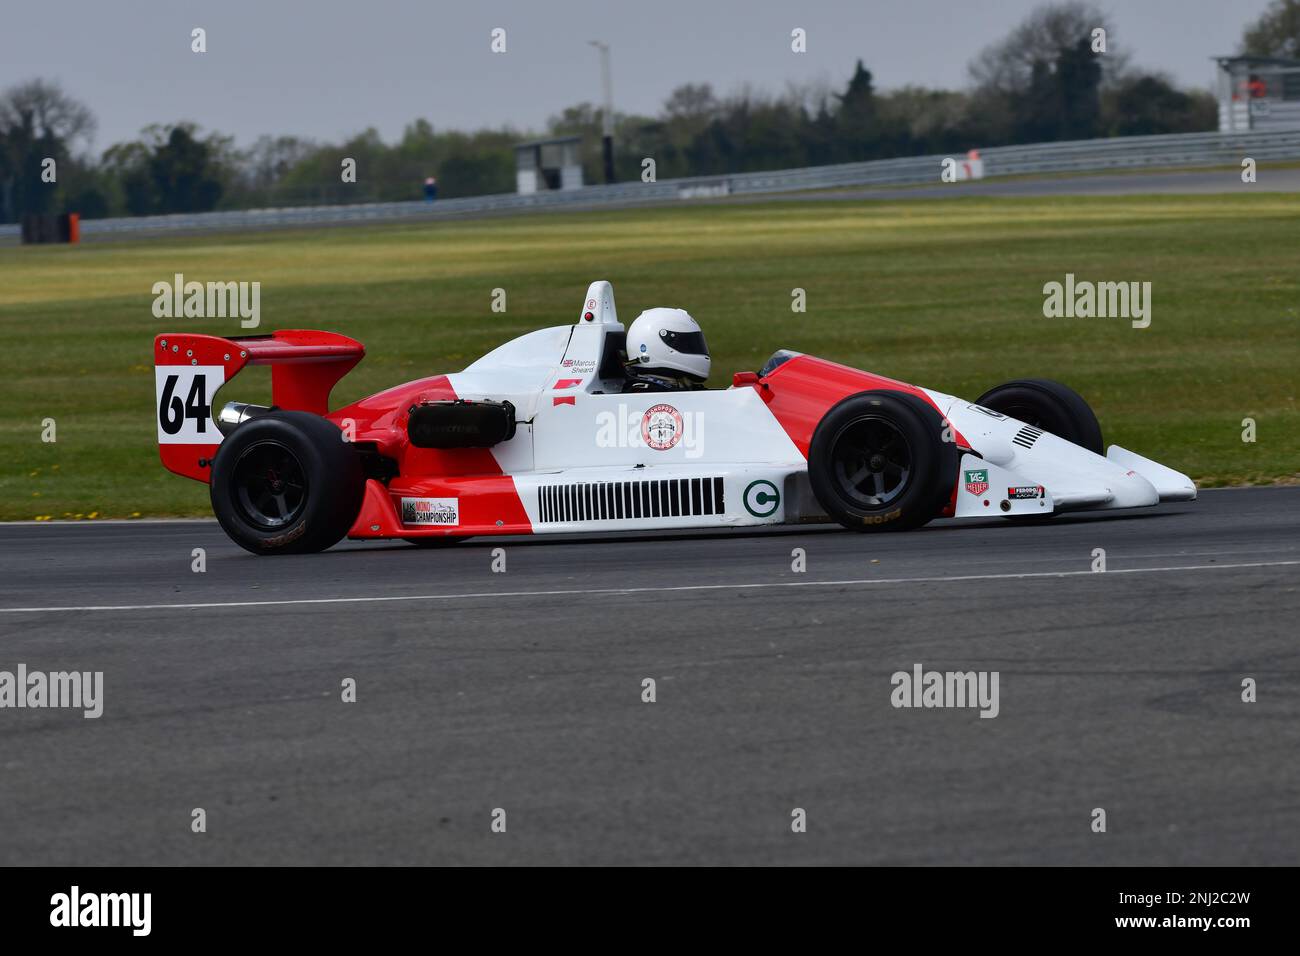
[(1050, 79)]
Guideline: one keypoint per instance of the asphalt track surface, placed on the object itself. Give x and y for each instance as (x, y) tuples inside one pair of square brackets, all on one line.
[(522, 691)]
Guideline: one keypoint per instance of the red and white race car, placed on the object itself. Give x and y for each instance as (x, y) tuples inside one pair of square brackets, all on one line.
[(538, 437)]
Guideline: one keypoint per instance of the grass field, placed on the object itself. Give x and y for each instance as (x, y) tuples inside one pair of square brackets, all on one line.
[(943, 293)]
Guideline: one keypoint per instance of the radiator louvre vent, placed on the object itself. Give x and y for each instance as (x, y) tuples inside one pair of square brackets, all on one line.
[(1026, 437), (629, 500)]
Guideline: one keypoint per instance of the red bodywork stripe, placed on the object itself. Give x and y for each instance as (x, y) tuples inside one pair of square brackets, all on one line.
[(489, 502), (800, 391)]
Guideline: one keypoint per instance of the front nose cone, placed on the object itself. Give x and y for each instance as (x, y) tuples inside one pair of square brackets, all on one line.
[(1131, 490)]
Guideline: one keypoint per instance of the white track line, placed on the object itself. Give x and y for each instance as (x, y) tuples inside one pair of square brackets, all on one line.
[(649, 590)]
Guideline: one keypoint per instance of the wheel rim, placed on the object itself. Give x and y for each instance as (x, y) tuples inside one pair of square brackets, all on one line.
[(270, 485), (872, 461)]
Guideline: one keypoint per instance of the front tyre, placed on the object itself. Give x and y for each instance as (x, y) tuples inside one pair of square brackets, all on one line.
[(286, 483), (879, 461), (1050, 407)]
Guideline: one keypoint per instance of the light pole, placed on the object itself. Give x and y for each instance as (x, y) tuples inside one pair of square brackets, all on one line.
[(607, 140)]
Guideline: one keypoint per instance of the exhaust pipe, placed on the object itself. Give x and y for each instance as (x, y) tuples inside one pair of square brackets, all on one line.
[(236, 413)]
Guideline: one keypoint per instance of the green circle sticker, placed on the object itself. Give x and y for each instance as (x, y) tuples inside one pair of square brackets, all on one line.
[(761, 498)]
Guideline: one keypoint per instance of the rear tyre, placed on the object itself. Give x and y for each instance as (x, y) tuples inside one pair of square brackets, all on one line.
[(878, 462), (286, 483), (1049, 406)]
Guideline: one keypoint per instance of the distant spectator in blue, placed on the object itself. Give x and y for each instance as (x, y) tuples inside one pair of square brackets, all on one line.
[(430, 189)]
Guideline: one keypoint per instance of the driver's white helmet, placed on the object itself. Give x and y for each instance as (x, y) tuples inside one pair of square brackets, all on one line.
[(668, 342)]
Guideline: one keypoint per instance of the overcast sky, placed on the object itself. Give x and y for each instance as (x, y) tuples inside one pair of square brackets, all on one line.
[(328, 68)]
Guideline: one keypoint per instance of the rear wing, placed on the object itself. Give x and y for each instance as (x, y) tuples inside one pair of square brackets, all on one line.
[(189, 369)]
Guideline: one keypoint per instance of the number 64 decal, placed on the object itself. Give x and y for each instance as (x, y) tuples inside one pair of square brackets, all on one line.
[(184, 403)]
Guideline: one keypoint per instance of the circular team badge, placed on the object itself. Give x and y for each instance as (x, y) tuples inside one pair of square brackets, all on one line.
[(661, 427), (761, 498)]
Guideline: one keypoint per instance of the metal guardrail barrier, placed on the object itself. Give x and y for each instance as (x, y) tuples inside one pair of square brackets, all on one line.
[(1093, 155)]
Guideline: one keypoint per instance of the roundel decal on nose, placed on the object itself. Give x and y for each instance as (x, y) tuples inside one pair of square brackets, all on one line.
[(661, 427), (761, 499)]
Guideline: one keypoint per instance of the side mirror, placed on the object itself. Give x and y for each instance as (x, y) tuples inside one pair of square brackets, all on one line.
[(744, 378)]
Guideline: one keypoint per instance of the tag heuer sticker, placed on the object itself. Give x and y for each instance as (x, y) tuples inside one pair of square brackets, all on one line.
[(1025, 491), (977, 482), (431, 511)]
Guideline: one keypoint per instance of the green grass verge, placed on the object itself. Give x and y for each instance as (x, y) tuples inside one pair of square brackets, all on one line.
[(944, 293)]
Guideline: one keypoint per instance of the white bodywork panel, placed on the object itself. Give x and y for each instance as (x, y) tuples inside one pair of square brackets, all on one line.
[(631, 498), (659, 429), (1074, 476), (985, 490), (587, 457), (1169, 484), (578, 437), (517, 372)]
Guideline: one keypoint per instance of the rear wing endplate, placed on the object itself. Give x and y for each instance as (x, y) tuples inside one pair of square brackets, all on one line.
[(190, 368)]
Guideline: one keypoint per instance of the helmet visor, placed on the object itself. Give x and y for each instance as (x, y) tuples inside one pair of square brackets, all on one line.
[(689, 343)]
